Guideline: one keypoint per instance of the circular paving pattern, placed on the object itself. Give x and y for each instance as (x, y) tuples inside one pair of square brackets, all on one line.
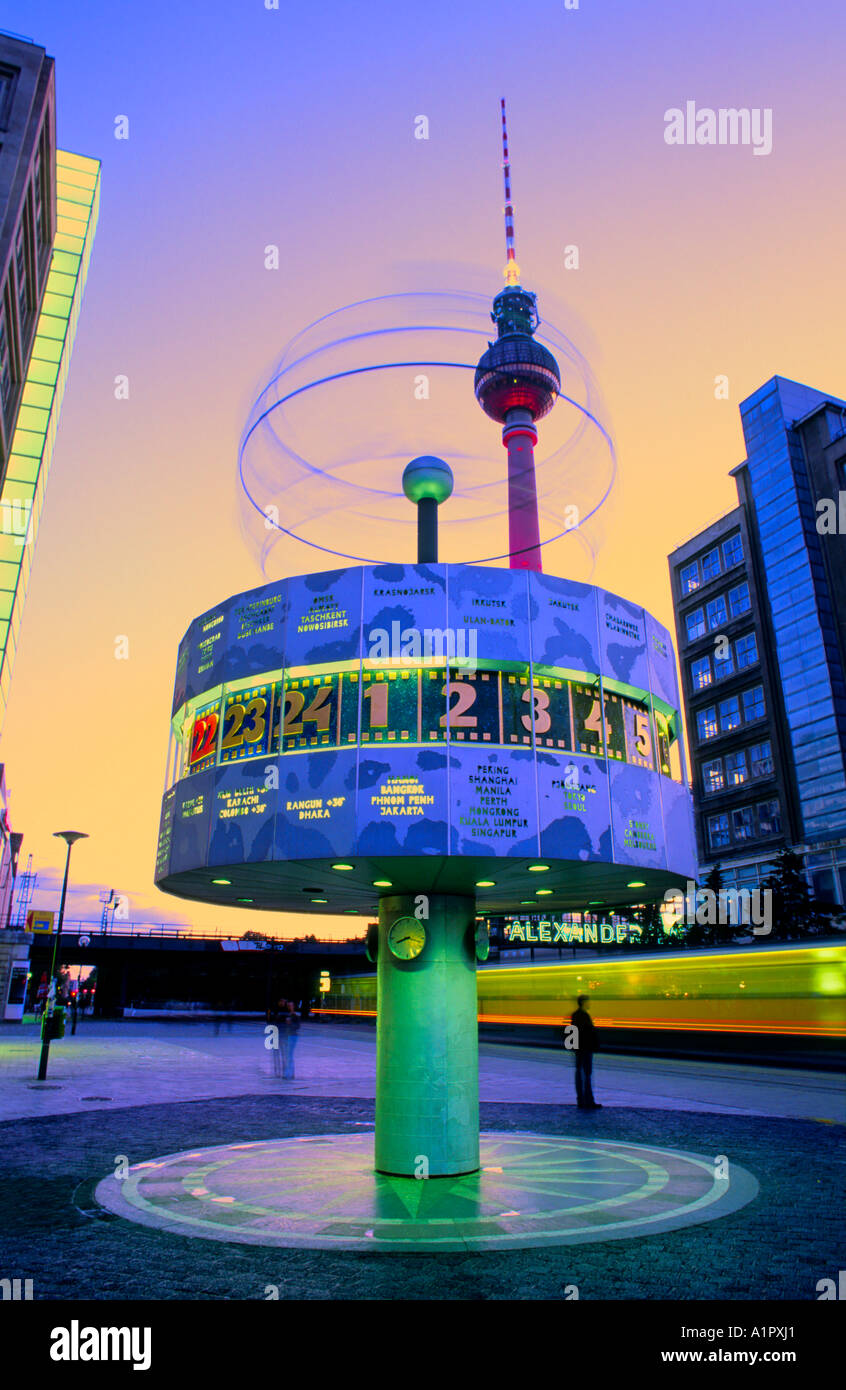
[(320, 1192)]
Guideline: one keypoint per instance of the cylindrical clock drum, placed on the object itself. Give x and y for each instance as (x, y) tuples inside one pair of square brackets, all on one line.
[(427, 742)]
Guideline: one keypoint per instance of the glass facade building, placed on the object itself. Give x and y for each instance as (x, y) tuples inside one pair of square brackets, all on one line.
[(28, 462), (779, 489), (760, 603), (27, 212)]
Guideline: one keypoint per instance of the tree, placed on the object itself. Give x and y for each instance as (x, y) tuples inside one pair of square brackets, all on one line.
[(795, 912), (703, 930), (724, 929), (652, 931), (647, 916)]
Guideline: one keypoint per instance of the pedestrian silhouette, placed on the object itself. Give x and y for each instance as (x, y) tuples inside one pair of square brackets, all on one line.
[(288, 1038), (587, 1042), (275, 1015)]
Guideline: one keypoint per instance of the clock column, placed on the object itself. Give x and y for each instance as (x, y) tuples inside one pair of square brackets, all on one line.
[(427, 1045)]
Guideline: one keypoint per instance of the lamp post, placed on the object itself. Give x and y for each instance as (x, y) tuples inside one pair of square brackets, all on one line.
[(70, 838)]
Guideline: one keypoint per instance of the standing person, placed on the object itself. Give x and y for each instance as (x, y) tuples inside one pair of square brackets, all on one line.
[(587, 1042), (288, 1033), (275, 1015)]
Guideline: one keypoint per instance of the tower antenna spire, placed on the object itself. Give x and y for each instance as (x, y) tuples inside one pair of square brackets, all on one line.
[(517, 381), (512, 269)]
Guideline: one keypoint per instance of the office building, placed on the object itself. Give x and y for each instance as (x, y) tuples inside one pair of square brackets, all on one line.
[(761, 622), (49, 209), (27, 213)]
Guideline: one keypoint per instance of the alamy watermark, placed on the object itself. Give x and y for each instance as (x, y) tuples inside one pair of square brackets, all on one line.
[(411, 645), (728, 125), (16, 1290), (16, 519), (831, 515), (707, 907)]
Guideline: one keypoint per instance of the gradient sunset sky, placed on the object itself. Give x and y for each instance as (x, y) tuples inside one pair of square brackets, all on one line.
[(295, 126)]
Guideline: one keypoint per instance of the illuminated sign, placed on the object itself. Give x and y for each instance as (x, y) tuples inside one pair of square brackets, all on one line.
[(546, 932), (38, 921)]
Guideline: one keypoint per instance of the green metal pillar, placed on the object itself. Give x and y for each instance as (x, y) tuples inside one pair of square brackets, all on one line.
[(427, 1041)]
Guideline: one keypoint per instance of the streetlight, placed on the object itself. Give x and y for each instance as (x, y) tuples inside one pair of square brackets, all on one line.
[(70, 838)]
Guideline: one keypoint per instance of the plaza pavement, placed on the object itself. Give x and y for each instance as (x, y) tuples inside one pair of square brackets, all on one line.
[(108, 1065), (172, 1087)]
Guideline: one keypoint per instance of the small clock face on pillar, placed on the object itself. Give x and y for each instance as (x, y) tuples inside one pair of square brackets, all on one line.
[(406, 937)]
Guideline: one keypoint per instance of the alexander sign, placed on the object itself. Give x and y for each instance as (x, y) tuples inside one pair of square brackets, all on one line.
[(546, 932)]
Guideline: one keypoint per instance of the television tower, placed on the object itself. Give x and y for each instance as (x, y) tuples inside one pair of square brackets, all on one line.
[(516, 383)]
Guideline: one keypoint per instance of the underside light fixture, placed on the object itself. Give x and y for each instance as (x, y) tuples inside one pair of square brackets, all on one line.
[(343, 868), (226, 881), (243, 900), (636, 883), (381, 882), (485, 883), (319, 900), (544, 893), (538, 868)]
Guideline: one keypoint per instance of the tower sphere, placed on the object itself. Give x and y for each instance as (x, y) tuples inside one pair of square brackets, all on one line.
[(427, 476), (516, 372)]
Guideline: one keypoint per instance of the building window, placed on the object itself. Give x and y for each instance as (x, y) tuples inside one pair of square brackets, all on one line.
[(760, 758), (689, 576), (700, 673), (38, 195), (753, 704), (712, 776), (22, 275), (710, 565), (736, 768), (706, 721), (769, 817), (836, 418), (723, 664), (8, 81), (695, 623), (739, 600), (732, 551), (717, 612), (746, 650), (718, 831), (743, 823), (6, 382), (729, 714)]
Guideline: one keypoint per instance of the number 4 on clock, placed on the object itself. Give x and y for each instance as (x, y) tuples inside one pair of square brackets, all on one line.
[(594, 722)]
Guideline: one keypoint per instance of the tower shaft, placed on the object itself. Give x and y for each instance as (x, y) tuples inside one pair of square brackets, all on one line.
[(519, 437)]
